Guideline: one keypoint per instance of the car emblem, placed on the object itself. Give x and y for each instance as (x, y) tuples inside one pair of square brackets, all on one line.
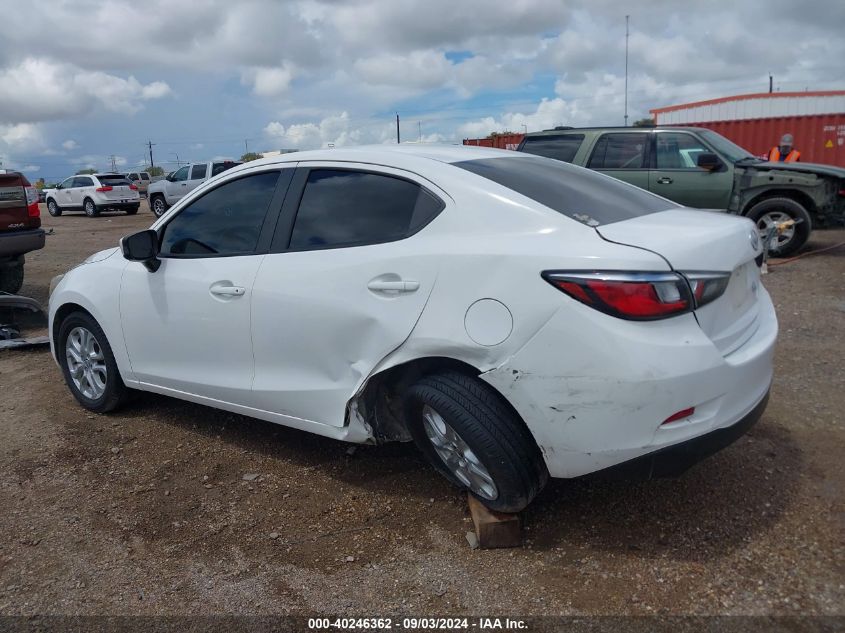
[(754, 238)]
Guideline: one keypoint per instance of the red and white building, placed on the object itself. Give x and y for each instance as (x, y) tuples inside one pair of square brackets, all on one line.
[(756, 122)]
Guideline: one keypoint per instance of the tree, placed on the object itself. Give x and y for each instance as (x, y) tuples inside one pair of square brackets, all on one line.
[(250, 156), (86, 171), (39, 184), (644, 123), (154, 171), (502, 133)]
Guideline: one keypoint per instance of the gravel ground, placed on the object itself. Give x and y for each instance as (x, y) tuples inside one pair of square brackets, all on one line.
[(172, 508)]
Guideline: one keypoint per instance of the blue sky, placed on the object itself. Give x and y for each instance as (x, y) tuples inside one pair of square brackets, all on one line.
[(198, 80)]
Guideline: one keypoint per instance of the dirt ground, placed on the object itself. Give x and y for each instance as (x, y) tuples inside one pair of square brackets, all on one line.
[(147, 511)]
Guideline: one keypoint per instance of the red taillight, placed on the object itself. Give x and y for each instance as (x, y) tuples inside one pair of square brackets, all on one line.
[(635, 296), (707, 287), (133, 187), (680, 415), (105, 188), (32, 209), (842, 192)]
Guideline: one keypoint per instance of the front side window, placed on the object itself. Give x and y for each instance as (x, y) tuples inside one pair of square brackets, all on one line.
[(676, 150), (560, 146), (180, 174), (198, 171), (619, 151), (351, 208), (67, 183), (145, 176), (225, 221)]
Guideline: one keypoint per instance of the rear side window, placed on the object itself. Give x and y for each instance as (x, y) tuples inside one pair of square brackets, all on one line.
[(83, 181), (219, 168), (619, 151), (145, 176), (113, 181), (198, 172), (225, 221), (559, 147), (352, 208), (578, 193)]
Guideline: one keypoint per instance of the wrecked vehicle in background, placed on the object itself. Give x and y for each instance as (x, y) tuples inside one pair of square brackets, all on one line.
[(699, 168), (517, 317)]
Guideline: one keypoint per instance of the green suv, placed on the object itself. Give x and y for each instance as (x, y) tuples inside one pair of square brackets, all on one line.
[(699, 168)]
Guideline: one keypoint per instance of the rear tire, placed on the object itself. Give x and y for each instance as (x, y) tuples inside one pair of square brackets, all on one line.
[(158, 205), (772, 211), (90, 208), (53, 209), (96, 385), (475, 440), (11, 278)]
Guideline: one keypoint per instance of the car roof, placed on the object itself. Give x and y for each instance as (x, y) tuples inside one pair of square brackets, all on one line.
[(569, 130), (409, 156)]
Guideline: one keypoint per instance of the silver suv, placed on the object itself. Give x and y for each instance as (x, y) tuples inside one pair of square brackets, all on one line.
[(93, 193)]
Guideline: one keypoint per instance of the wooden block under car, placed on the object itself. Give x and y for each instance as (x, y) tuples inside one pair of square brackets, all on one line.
[(494, 529)]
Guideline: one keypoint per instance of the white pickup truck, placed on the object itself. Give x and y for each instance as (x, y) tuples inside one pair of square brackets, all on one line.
[(165, 193)]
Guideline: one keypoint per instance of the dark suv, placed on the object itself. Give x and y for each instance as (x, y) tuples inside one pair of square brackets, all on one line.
[(699, 168), (20, 227)]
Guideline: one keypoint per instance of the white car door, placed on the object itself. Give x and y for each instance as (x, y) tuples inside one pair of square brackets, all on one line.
[(64, 196), (82, 186), (341, 288), (187, 325), (197, 176), (177, 185)]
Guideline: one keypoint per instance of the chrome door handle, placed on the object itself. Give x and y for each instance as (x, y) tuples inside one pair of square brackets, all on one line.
[(665, 180), (379, 285), (228, 291)]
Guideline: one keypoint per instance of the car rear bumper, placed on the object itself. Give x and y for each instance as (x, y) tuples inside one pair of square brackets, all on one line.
[(595, 391), (15, 243), (109, 204)]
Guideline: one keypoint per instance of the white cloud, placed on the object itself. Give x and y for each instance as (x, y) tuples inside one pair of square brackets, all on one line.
[(21, 136), (38, 89), (269, 82), (70, 145), (335, 130)]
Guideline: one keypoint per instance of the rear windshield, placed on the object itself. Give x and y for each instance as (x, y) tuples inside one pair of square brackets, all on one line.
[(561, 146), (219, 168), (113, 181), (581, 194)]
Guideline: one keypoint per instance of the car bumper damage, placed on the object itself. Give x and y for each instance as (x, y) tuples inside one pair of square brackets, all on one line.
[(589, 418)]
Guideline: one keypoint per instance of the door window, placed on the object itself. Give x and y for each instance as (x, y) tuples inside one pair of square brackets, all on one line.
[(219, 168), (352, 208), (559, 147), (198, 171), (180, 174), (678, 150), (67, 183), (83, 181), (619, 151), (225, 221)]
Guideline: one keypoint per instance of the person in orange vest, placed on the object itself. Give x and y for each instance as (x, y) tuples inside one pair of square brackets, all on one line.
[(784, 153)]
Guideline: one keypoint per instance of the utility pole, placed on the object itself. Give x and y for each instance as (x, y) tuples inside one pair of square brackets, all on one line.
[(150, 144), (419, 125), (770, 84), (246, 146), (113, 164), (397, 128), (626, 69)]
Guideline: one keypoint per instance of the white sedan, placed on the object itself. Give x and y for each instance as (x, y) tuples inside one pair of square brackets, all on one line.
[(516, 316)]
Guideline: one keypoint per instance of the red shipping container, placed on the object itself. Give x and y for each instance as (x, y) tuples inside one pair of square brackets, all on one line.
[(500, 141)]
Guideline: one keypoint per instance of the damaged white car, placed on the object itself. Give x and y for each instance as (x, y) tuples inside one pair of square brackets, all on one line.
[(517, 317)]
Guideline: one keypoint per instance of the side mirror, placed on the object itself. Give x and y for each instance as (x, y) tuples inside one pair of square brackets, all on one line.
[(142, 247), (709, 161), (59, 186)]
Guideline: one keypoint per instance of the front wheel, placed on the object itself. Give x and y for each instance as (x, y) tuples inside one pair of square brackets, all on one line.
[(88, 364), (475, 440), (90, 208), (11, 278), (53, 209), (770, 213), (159, 206)]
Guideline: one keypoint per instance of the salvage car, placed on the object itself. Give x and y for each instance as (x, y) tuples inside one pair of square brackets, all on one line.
[(699, 168), (517, 317), (162, 194), (92, 194)]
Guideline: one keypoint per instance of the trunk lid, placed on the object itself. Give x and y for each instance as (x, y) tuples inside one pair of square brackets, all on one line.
[(704, 241)]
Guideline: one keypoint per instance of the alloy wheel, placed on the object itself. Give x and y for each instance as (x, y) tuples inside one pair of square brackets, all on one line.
[(86, 363), (768, 222), (458, 457)]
